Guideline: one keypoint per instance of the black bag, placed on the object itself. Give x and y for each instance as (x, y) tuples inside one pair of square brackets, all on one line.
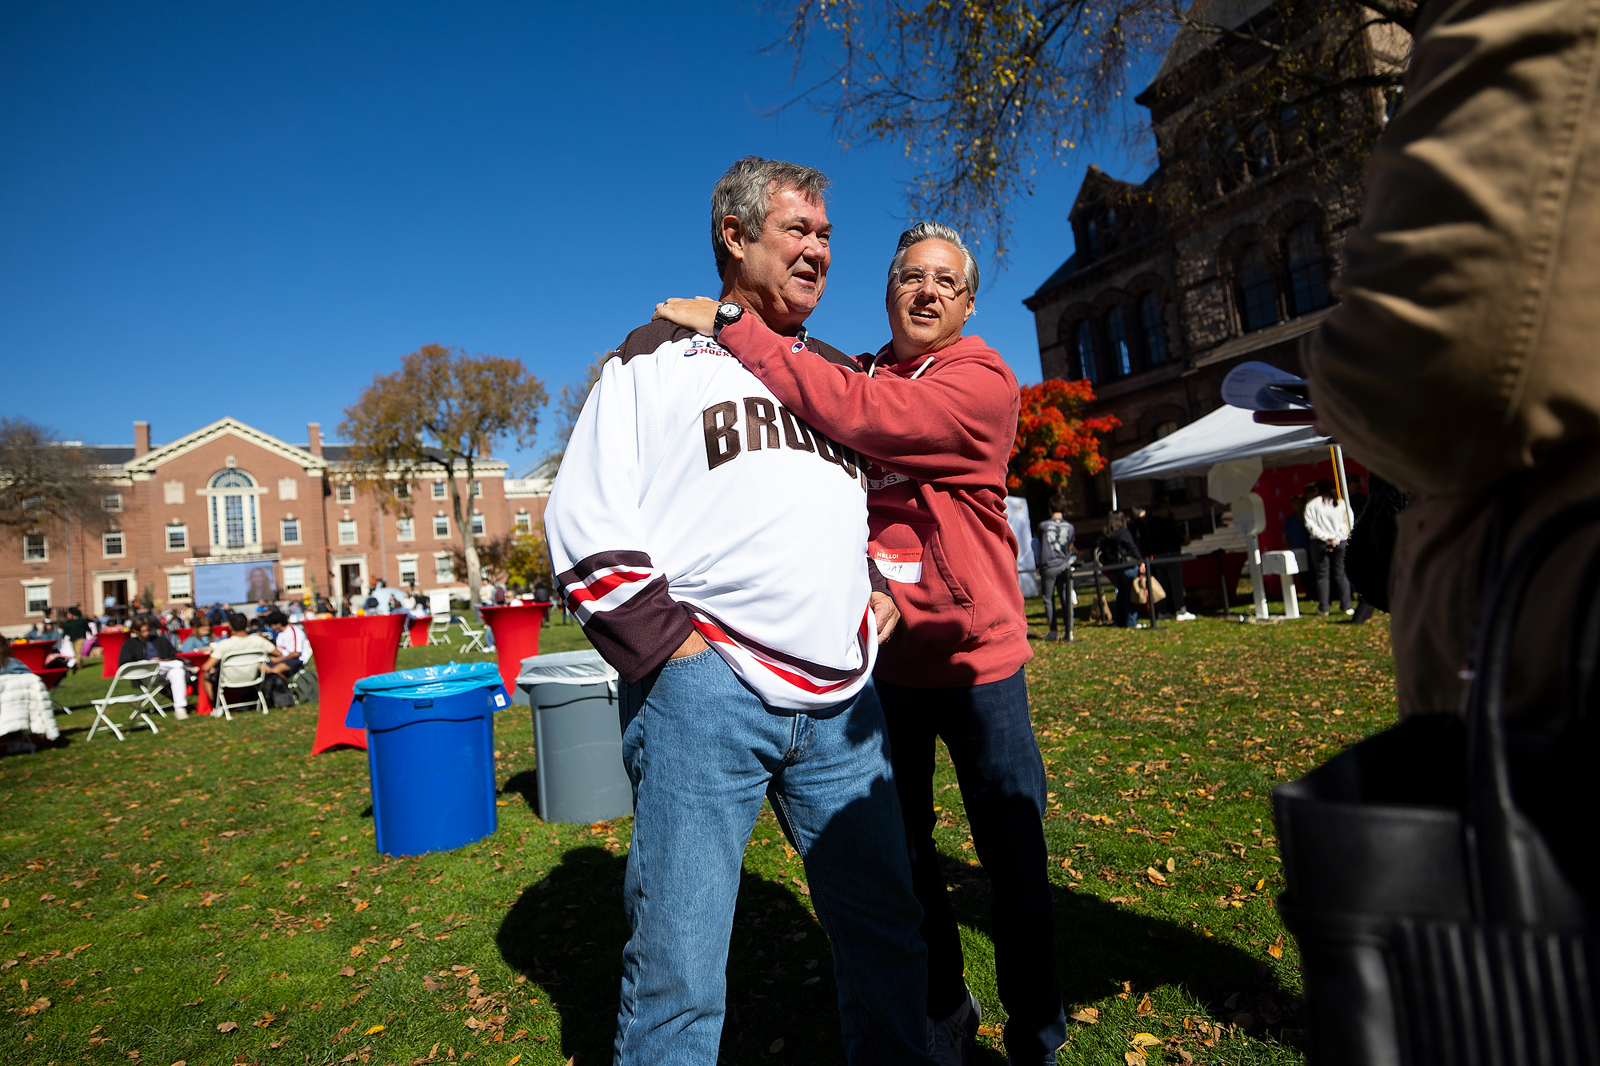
[(1440, 901)]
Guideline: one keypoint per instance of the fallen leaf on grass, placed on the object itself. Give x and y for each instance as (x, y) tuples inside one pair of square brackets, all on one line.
[(514, 1060), (42, 1003), (811, 981), (1172, 865), (1261, 884), (227, 1027), (430, 985), (777, 1046), (1275, 949), (374, 1029), (1088, 1015), (265, 1020), (347, 971), (1156, 876), (136, 895), (1144, 1008), (278, 1043), (1142, 1040), (1134, 1058), (192, 1003)]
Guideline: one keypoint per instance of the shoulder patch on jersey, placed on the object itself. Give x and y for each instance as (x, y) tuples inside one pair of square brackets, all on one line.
[(650, 336), (831, 354)]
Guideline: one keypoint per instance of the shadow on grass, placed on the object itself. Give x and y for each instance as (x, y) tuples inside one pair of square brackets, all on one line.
[(1099, 945), (526, 785), (567, 931)]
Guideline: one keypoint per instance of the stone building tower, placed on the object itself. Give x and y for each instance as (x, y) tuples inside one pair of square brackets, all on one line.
[(1226, 252)]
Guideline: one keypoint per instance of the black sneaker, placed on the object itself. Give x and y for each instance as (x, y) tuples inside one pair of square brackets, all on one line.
[(1052, 635), (951, 1040)]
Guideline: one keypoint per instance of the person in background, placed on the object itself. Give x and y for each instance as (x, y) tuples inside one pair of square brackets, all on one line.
[(1121, 551), (76, 628), (290, 643), (10, 664), (1055, 555), (217, 615), (1163, 536), (296, 612), (420, 607), (239, 641), (145, 643), (45, 629), (1328, 521), (199, 639)]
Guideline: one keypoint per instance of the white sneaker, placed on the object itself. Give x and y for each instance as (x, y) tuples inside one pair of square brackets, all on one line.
[(1349, 611), (948, 1040), (1183, 616), (180, 715)]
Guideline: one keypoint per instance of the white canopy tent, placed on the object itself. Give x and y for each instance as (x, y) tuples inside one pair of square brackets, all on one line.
[(1229, 438), (1229, 448)]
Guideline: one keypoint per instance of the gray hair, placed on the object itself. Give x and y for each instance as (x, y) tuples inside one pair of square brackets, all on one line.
[(934, 231), (745, 192)]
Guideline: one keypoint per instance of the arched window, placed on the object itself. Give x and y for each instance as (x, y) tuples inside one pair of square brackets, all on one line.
[(1307, 269), (1258, 302), (1085, 352), (1155, 335), (235, 522), (1117, 341)]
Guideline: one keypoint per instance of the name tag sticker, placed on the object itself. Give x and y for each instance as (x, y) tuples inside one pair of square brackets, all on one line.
[(499, 699), (899, 564)]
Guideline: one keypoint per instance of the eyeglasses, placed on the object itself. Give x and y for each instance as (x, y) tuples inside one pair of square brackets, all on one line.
[(947, 285)]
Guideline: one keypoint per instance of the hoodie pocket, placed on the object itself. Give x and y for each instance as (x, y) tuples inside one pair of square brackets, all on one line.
[(936, 608)]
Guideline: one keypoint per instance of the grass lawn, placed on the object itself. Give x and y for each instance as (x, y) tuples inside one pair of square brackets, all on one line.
[(212, 894)]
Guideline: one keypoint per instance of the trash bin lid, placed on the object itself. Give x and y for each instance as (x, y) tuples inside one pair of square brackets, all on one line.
[(426, 683), (430, 681), (565, 667)]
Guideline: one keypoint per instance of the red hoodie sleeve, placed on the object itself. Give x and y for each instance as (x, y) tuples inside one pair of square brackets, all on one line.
[(954, 424)]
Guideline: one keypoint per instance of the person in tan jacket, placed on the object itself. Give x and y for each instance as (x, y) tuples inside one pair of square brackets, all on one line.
[(1459, 363)]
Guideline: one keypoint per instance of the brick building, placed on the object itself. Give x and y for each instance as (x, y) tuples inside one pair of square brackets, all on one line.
[(229, 493), (1224, 254)]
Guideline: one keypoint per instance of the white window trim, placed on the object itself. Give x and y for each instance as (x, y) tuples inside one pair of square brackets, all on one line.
[(401, 533), (123, 554), (443, 557), (283, 537), (446, 534), (439, 491), (36, 582), (294, 566), (340, 489), (45, 558), (184, 573), (166, 534), (104, 496), (355, 531)]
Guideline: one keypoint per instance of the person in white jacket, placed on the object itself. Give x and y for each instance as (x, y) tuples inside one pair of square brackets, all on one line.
[(1328, 523), (714, 548)]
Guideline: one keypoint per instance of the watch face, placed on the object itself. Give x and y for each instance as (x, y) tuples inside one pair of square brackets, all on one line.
[(729, 311)]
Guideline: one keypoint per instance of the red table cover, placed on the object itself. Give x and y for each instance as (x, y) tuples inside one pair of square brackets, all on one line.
[(197, 659), (110, 647), (52, 677), (346, 650), (419, 630), (33, 652), (516, 636)]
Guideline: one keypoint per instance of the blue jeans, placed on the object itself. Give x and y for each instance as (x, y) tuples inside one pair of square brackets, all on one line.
[(1124, 612), (703, 751), (989, 734)]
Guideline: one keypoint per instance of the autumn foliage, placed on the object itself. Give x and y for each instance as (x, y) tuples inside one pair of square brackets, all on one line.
[(1052, 434)]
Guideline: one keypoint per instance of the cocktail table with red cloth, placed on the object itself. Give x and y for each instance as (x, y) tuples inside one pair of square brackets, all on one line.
[(419, 630), (516, 636), (32, 653), (346, 650), (110, 639), (51, 677), (197, 659)]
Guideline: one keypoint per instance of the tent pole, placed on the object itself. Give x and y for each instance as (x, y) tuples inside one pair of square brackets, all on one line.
[(1113, 495), (1341, 482)]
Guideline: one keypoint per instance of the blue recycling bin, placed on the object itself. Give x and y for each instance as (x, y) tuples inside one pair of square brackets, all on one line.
[(430, 752)]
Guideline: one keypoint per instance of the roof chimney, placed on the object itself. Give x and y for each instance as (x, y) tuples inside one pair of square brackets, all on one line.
[(314, 436), (141, 438)]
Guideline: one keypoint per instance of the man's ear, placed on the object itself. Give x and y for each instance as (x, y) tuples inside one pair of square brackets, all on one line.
[(972, 308), (733, 236)]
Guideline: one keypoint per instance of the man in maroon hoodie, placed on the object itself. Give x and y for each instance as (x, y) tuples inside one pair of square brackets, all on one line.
[(938, 411)]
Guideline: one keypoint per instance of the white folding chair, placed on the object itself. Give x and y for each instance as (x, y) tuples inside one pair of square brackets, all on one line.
[(439, 630), (241, 670), (474, 637), (136, 676)]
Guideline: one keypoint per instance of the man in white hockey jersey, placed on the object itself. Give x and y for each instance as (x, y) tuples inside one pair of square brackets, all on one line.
[(714, 548)]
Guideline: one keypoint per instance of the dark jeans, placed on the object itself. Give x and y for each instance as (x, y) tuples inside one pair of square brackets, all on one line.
[(1170, 575), (1324, 558), (990, 738), (1125, 612), (1058, 580)]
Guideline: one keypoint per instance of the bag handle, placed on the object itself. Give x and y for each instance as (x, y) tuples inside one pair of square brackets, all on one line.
[(1505, 864)]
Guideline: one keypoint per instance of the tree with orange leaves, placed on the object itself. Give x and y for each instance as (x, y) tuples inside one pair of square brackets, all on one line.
[(1052, 434)]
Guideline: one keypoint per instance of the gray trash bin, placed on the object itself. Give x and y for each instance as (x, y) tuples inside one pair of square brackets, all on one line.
[(577, 736)]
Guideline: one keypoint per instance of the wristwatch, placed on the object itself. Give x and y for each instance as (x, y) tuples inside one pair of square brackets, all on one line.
[(727, 315)]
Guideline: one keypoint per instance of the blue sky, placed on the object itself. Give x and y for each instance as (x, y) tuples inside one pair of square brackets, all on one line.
[(250, 209)]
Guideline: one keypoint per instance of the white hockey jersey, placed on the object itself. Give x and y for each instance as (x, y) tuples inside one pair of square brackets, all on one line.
[(690, 499)]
